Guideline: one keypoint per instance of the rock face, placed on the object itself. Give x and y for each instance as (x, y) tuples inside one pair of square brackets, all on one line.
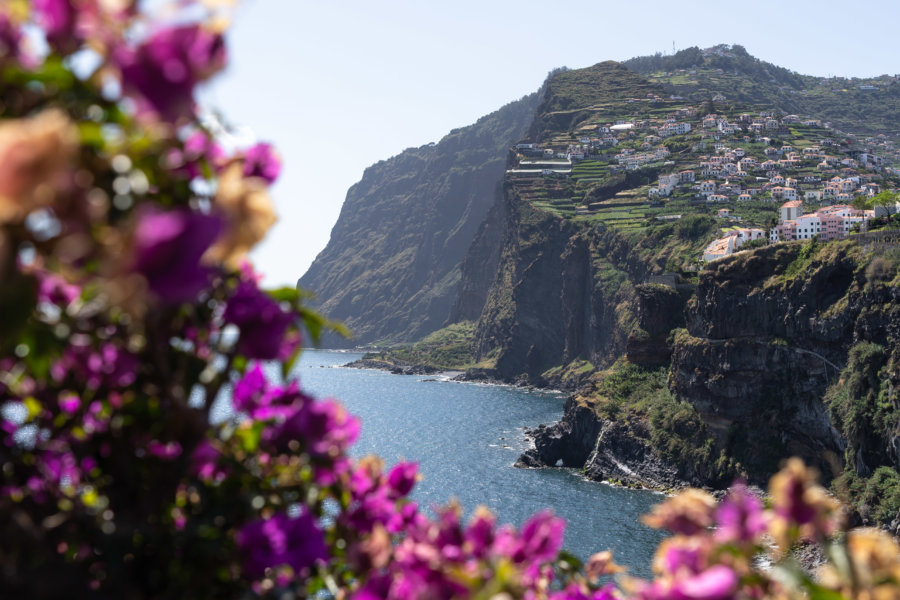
[(768, 334), (605, 450), (391, 269), (659, 309), (549, 302), (765, 339)]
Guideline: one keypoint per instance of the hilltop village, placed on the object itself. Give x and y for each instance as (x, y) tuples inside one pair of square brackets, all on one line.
[(798, 178)]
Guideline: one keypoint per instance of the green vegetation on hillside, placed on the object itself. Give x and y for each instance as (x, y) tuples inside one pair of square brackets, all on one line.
[(448, 348), (864, 408), (698, 75), (633, 394)]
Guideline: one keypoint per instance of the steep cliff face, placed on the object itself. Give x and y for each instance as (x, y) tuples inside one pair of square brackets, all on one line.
[(766, 334), (554, 297), (392, 266)]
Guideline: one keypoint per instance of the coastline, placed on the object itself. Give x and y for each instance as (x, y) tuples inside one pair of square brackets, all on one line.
[(598, 450)]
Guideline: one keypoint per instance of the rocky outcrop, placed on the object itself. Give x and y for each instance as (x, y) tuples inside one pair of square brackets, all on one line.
[(659, 309), (604, 450), (767, 334), (761, 400)]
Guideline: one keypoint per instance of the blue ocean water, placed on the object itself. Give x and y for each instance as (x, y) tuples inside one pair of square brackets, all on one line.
[(466, 437)]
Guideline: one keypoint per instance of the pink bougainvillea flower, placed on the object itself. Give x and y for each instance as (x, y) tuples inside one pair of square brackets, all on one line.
[(55, 290), (740, 518), (58, 20), (69, 403), (324, 426), (262, 161), (10, 38), (539, 539), (480, 532), (206, 462), (402, 478), (574, 591), (715, 583), (94, 367), (199, 147), (801, 507), (281, 540), (250, 389), (260, 319), (682, 554), (161, 73), (167, 451), (168, 248)]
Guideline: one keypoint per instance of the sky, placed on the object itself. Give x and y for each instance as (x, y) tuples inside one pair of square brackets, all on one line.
[(338, 86)]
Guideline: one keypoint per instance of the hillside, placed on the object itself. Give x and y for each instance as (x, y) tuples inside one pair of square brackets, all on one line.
[(860, 105), (391, 267)]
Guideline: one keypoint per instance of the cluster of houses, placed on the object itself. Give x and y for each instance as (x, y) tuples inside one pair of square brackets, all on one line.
[(726, 175), (828, 223)]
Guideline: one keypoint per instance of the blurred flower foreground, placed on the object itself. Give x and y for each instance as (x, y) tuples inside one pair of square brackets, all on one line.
[(126, 307)]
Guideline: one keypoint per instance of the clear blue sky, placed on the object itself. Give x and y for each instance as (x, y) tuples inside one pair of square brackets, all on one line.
[(338, 86)]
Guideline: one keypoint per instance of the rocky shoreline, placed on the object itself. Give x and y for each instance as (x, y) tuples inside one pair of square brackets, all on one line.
[(483, 376), (608, 451)]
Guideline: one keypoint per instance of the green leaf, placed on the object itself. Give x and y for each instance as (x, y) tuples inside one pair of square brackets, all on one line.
[(91, 134), (817, 592), (288, 365), (285, 294), (574, 563), (316, 324), (249, 437)]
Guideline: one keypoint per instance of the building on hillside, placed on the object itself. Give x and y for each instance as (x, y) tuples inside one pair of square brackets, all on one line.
[(707, 188), (812, 196), (828, 223), (729, 244), (790, 211), (719, 248)]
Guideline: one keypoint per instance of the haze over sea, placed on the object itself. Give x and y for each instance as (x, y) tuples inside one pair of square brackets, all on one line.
[(466, 438)]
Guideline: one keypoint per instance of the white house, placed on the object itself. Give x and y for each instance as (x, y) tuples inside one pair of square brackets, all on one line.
[(790, 211)]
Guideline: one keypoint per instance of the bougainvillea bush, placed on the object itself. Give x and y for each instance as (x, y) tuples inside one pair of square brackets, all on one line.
[(127, 307)]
